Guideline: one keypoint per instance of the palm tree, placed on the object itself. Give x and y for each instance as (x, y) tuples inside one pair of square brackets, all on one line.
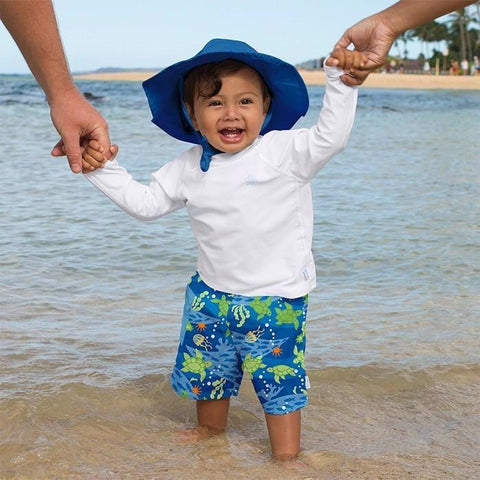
[(404, 37), (477, 39), (430, 32), (463, 41), (460, 35)]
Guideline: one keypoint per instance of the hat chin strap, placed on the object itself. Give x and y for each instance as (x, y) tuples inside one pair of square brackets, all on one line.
[(207, 154), (268, 116)]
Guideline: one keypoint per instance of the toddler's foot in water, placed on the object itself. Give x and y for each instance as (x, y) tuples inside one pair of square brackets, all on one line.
[(290, 462), (195, 434)]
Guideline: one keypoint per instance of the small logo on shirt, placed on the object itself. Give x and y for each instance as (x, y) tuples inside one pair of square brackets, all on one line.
[(305, 274), (250, 180)]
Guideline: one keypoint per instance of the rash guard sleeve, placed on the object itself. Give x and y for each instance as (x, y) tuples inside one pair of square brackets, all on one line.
[(303, 152), (163, 195)]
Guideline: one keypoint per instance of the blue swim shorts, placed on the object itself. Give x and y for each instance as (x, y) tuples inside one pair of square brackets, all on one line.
[(224, 335)]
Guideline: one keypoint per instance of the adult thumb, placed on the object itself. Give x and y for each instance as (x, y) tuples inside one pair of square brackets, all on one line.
[(344, 41), (71, 146)]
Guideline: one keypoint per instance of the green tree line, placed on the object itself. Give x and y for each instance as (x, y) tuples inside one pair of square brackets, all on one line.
[(454, 37)]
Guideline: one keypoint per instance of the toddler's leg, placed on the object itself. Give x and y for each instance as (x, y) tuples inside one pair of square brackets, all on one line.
[(212, 420), (284, 433), (212, 414)]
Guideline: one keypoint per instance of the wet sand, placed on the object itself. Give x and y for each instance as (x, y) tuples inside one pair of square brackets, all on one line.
[(317, 77)]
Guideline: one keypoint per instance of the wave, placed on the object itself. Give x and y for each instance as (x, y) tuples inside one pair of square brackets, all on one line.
[(13, 101), (367, 380)]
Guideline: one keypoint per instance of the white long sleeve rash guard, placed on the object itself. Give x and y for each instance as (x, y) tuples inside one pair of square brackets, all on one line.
[(251, 212)]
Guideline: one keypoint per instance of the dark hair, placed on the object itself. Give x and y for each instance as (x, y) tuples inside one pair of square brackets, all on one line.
[(204, 81)]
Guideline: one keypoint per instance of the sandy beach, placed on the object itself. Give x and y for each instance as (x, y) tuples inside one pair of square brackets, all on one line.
[(393, 80), (317, 77)]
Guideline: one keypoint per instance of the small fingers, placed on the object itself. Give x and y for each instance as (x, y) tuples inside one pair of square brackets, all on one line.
[(101, 138), (86, 167), (96, 150), (95, 145), (353, 61), (349, 60), (336, 58), (92, 160), (113, 151), (344, 58), (95, 154)]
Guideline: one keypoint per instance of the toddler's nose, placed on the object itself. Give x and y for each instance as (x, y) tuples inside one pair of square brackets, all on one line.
[(231, 112)]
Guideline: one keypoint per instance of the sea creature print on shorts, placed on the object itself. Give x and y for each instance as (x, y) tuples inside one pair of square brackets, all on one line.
[(196, 364), (225, 336)]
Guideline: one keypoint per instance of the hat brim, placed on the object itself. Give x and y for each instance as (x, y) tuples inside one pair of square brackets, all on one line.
[(289, 94)]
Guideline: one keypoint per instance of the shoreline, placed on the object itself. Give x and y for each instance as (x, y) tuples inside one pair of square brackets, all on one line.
[(404, 81), (317, 77)]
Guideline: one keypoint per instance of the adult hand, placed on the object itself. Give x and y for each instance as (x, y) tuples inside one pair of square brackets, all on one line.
[(372, 36), (33, 26), (76, 120)]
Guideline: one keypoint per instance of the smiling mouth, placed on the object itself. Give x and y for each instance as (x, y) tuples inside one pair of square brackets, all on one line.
[(231, 134)]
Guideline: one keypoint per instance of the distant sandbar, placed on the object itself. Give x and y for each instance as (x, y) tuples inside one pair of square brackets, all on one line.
[(317, 77)]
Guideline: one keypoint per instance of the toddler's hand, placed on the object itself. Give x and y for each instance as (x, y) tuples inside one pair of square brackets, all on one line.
[(93, 157), (352, 61)]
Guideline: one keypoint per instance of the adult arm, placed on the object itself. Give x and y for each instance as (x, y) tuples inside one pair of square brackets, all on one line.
[(374, 35), (33, 26)]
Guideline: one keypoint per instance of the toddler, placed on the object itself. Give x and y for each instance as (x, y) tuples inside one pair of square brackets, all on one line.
[(246, 186)]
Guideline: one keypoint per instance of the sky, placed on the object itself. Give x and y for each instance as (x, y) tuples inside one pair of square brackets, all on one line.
[(155, 33)]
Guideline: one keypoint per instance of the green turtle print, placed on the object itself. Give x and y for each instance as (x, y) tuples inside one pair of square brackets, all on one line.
[(261, 307), (288, 315), (251, 365), (196, 364), (223, 305), (227, 336), (281, 371)]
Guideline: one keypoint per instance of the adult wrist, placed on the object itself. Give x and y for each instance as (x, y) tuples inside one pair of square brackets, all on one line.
[(392, 22), (60, 93)]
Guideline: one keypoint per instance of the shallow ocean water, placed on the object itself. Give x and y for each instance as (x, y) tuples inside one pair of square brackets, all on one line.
[(91, 303)]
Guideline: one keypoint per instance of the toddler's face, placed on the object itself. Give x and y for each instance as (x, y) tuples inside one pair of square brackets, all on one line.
[(232, 119)]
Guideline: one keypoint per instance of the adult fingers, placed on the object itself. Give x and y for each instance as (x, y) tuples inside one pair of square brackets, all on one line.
[(58, 150), (349, 60), (71, 146), (357, 61), (354, 79), (101, 140)]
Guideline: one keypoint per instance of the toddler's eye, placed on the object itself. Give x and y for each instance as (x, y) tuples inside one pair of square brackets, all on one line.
[(214, 103), (245, 101)]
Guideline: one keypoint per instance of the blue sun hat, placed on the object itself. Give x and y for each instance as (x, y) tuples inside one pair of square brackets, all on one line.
[(164, 92)]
